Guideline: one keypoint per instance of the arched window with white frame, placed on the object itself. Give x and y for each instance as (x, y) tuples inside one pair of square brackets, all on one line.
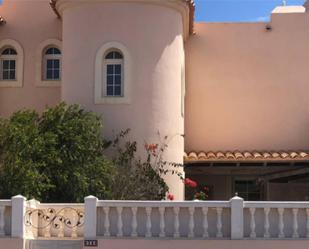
[(52, 64), (113, 70), (8, 60), (49, 63), (113, 74), (11, 63)]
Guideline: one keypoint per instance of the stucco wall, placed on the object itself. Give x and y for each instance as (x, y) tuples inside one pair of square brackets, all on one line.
[(247, 88), (152, 35), (29, 23)]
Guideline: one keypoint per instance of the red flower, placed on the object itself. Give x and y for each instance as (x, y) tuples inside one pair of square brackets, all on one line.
[(151, 147), (206, 189), (170, 197), (190, 183)]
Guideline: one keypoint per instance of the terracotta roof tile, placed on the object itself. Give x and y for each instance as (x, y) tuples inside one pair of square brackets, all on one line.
[(246, 156)]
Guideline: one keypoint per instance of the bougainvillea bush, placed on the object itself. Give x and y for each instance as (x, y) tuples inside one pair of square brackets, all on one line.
[(136, 178)]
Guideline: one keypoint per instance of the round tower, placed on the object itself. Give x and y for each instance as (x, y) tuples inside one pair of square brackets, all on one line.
[(124, 59)]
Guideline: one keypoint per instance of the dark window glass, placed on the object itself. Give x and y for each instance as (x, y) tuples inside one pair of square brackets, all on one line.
[(117, 90), (56, 64), (8, 69), (53, 69), (110, 69), (6, 75), (56, 74), (6, 64), (114, 55), (12, 64), (110, 91), (49, 64), (117, 69), (249, 190), (12, 75), (110, 80), (49, 74), (118, 80), (9, 51), (53, 51)]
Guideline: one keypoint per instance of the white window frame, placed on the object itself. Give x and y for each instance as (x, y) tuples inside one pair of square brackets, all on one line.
[(100, 96), (41, 59), (51, 57), (112, 62), (8, 57), (19, 62)]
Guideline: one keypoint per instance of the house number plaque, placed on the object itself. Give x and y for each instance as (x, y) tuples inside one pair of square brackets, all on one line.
[(91, 243)]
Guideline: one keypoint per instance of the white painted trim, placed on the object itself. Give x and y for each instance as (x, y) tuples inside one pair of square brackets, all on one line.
[(19, 64), (39, 64), (99, 82)]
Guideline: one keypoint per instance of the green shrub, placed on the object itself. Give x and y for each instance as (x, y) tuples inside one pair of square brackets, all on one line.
[(54, 157)]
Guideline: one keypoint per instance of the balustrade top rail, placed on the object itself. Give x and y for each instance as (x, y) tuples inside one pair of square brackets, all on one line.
[(275, 204), (184, 204)]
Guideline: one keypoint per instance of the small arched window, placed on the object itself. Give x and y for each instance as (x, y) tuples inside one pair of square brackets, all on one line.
[(52, 64), (113, 74), (8, 60)]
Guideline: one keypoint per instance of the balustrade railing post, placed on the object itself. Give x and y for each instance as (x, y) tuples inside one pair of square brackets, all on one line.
[(18, 213), (90, 227), (237, 218)]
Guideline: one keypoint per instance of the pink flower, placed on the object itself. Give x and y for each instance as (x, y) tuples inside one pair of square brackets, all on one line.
[(170, 197), (190, 183)]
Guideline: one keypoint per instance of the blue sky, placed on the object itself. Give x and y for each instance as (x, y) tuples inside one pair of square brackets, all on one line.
[(237, 10)]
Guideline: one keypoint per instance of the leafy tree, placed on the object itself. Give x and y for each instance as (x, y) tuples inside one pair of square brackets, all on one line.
[(55, 157)]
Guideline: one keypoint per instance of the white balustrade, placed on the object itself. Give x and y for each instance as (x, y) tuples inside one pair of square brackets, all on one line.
[(157, 219), (307, 212), (205, 222), (148, 222), (2, 223), (4, 204), (252, 223), (295, 223), (191, 222), (162, 222), (119, 223), (134, 222), (279, 219), (106, 222), (176, 222), (281, 223), (266, 223), (161, 219), (219, 223)]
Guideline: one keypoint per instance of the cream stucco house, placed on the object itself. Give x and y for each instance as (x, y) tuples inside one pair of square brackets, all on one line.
[(237, 91)]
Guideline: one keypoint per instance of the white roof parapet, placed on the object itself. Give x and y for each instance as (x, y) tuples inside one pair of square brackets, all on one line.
[(289, 9)]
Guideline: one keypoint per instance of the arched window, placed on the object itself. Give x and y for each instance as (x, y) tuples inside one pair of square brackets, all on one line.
[(113, 70), (113, 74), (52, 64), (8, 64)]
